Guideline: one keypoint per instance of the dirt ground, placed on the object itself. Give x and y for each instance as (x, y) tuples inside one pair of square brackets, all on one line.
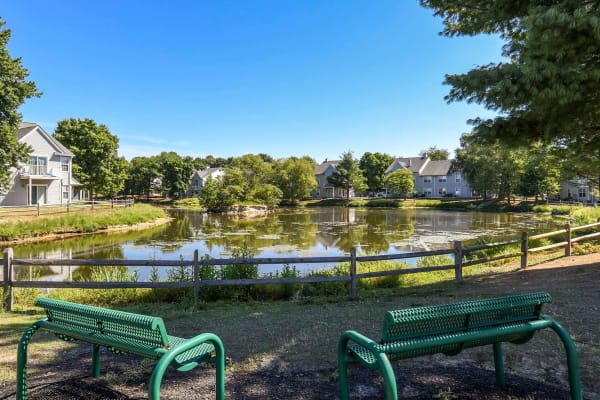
[(435, 377)]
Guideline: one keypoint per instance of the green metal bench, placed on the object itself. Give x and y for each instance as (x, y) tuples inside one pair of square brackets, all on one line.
[(449, 329), (123, 333)]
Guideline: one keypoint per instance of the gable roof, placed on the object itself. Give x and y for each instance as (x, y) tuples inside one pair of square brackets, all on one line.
[(413, 164), (205, 173), (437, 168), (27, 127), (321, 168)]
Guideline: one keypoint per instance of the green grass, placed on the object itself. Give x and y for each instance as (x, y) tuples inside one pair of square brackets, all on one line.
[(78, 222), (307, 329)]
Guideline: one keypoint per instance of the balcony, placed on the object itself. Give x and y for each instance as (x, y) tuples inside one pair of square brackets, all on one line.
[(38, 171)]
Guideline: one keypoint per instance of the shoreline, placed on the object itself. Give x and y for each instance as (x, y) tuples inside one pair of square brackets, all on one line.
[(63, 235)]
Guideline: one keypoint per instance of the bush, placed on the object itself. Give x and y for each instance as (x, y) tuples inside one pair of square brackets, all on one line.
[(541, 209), (191, 203)]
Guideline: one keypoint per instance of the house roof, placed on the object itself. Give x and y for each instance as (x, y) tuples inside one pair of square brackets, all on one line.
[(26, 127), (437, 168), (413, 164), (208, 172), (321, 168)]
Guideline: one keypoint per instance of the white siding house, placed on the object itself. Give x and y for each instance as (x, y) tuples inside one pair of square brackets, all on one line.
[(47, 178), (326, 190), (433, 178), (199, 179)]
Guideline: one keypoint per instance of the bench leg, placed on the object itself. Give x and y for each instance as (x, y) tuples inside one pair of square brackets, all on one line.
[(22, 362), (572, 359), (343, 376), (499, 364), (389, 378), (95, 360)]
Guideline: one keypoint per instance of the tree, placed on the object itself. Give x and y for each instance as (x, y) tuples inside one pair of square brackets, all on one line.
[(296, 178), (490, 169), (373, 166), (435, 154), (96, 163), (176, 174), (541, 174), (348, 174), (400, 182), (144, 176), (14, 90), (548, 87)]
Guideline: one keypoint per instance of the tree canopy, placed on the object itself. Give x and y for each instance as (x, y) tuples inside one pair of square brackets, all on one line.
[(96, 163), (400, 182), (548, 87), (14, 90), (348, 174), (296, 177), (435, 154), (373, 166)]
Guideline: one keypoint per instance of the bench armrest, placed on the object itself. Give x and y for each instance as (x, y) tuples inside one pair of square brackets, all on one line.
[(195, 342), (358, 338)]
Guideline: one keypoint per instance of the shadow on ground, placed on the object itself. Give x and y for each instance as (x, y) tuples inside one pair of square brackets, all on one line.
[(417, 380)]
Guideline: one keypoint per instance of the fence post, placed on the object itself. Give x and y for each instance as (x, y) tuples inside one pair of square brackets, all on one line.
[(68, 205), (524, 249), (196, 277), (568, 239), (8, 275), (352, 272), (38, 209), (458, 261), (112, 203)]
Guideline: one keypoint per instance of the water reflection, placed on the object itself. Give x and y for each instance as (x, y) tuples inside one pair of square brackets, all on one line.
[(288, 233)]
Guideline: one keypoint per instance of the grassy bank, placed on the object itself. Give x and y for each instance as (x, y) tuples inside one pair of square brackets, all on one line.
[(303, 333), (77, 222)]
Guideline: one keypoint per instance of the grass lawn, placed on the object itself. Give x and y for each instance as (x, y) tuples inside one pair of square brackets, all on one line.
[(304, 333)]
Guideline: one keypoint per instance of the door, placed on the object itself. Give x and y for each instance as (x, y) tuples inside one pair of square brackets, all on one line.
[(38, 195)]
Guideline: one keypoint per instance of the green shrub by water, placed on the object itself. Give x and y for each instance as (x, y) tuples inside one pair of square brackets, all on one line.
[(85, 221), (189, 203)]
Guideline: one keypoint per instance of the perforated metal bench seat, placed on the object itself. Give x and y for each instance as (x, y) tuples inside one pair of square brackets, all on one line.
[(450, 328), (123, 333)]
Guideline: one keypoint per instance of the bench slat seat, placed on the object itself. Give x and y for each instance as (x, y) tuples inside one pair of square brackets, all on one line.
[(123, 333), (449, 329)]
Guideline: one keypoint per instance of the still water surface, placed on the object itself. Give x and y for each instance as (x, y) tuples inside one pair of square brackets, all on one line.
[(326, 231)]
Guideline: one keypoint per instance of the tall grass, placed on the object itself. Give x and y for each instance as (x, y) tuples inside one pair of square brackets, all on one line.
[(81, 222)]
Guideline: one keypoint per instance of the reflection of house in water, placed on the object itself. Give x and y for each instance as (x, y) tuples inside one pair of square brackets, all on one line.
[(54, 273), (327, 239)]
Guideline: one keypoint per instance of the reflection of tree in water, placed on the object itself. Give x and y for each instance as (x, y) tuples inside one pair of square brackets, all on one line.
[(373, 230), (275, 229)]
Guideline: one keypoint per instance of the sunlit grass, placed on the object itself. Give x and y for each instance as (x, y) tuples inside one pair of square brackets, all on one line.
[(80, 221)]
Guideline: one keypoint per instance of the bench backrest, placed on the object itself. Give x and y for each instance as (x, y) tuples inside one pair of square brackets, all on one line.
[(117, 326), (431, 320)]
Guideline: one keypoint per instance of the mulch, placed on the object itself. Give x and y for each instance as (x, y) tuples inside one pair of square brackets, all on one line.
[(419, 379)]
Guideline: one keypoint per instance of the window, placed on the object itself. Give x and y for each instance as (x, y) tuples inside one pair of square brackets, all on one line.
[(458, 179), (426, 179), (442, 179), (442, 191), (38, 165), (582, 192), (66, 195), (64, 164)]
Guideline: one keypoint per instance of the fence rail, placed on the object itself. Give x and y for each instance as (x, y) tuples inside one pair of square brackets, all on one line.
[(458, 251), (37, 210)]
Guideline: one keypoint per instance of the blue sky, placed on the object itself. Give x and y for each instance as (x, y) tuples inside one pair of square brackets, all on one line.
[(282, 77)]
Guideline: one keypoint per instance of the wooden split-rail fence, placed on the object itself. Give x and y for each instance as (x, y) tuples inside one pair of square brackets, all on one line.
[(458, 251)]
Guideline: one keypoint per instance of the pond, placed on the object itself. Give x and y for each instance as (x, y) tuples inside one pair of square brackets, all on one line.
[(307, 232)]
